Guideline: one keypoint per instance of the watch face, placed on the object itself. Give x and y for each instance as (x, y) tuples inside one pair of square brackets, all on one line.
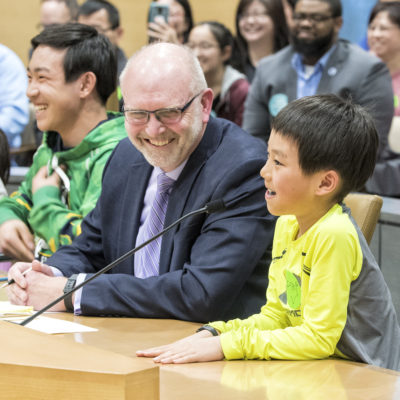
[(70, 283)]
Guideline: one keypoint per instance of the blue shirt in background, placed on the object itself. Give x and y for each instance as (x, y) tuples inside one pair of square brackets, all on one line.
[(307, 83), (14, 109)]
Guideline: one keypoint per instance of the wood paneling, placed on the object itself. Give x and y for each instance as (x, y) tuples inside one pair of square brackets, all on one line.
[(20, 18)]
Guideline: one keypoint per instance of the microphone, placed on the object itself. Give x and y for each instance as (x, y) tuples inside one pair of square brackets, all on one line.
[(209, 208)]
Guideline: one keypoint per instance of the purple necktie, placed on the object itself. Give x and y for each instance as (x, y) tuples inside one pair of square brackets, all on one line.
[(149, 256)]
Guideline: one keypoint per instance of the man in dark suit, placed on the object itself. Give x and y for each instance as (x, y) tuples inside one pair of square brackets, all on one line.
[(210, 266), (316, 62)]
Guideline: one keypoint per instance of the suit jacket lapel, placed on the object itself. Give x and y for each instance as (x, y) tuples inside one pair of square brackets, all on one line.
[(332, 68), (290, 80), (132, 205), (179, 196)]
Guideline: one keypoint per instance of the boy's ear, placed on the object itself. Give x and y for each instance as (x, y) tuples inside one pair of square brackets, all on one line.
[(329, 181)]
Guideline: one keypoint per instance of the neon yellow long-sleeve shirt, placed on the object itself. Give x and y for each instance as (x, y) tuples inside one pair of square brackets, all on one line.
[(326, 296)]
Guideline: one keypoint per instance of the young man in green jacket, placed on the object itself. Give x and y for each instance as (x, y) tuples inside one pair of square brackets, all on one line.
[(71, 74)]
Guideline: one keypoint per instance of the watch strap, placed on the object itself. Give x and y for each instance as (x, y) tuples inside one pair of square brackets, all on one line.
[(71, 282), (208, 328)]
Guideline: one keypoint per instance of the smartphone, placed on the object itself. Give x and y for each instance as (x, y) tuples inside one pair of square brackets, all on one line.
[(158, 10)]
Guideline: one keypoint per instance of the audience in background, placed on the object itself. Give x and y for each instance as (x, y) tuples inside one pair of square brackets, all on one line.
[(105, 18), (288, 7), (317, 62), (14, 109), (72, 72), (261, 30), (363, 43), (4, 163), (384, 41), (57, 12), (180, 23), (214, 47)]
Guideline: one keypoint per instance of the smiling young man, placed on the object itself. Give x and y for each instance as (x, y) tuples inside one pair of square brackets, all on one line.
[(317, 62), (175, 161), (71, 74)]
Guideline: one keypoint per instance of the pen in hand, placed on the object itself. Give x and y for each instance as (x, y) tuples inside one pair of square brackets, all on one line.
[(11, 281)]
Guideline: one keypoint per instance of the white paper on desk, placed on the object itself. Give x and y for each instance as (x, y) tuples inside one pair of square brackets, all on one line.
[(6, 308), (53, 325)]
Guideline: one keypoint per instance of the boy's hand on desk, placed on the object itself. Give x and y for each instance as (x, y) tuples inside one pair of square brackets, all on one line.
[(199, 347)]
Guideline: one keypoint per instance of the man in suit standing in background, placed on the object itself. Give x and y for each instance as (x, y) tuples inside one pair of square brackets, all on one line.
[(317, 62), (177, 160)]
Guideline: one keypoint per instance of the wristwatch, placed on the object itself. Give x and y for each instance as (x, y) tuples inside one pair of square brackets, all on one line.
[(208, 328), (71, 282)]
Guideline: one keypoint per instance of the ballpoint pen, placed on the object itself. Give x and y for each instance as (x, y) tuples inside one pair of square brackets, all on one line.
[(10, 282)]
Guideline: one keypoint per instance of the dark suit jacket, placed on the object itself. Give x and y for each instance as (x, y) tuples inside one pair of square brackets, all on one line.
[(349, 71), (211, 266)]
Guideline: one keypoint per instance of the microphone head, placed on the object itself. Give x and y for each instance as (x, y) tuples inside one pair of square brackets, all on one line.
[(214, 206)]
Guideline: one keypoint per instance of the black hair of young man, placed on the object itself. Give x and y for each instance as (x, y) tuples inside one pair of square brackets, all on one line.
[(91, 6), (331, 133), (87, 50)]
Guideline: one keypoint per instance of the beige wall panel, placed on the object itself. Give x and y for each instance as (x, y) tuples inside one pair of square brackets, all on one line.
[(19, 18)]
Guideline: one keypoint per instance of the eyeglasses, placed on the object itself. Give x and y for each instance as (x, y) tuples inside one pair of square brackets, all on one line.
[(313, 18), (201, 45), (253, 15), (164, 115)]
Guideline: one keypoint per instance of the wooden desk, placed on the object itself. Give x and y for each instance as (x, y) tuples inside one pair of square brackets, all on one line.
[(255, 380)]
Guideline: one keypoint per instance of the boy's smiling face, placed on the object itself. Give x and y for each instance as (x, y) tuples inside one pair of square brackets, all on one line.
[(289, 190)]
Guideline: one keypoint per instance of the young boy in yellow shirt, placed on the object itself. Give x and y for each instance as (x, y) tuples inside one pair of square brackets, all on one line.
[(326, 294)]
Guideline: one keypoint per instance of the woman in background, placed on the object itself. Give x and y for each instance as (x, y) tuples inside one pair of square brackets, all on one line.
[(214, 46), (261, 30), (180, 23), (384, 42)]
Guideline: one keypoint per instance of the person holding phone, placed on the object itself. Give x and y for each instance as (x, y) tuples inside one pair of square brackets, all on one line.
[(173, 26)]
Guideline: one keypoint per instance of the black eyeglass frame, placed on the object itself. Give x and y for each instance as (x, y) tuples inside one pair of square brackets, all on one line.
[(313, 18), (157, 112)]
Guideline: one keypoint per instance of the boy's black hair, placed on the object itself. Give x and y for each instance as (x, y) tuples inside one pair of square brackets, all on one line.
[(331, 133), (4, 158), (91, 6), (86, 51)]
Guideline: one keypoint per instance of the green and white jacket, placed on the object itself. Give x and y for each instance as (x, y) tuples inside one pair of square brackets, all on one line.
[(54, 215)]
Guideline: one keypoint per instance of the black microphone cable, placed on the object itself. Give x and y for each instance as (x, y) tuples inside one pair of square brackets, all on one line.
[(209, 208)]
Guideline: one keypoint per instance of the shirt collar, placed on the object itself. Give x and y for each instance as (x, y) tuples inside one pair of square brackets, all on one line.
[(174, 174)]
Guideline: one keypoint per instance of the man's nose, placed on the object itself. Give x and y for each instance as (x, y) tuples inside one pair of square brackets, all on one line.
[(154, 127)]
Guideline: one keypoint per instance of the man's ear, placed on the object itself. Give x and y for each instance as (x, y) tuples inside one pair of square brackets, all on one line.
[(338, 21), (328, 183), (87, 84), (206, 103), (119, 32)]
